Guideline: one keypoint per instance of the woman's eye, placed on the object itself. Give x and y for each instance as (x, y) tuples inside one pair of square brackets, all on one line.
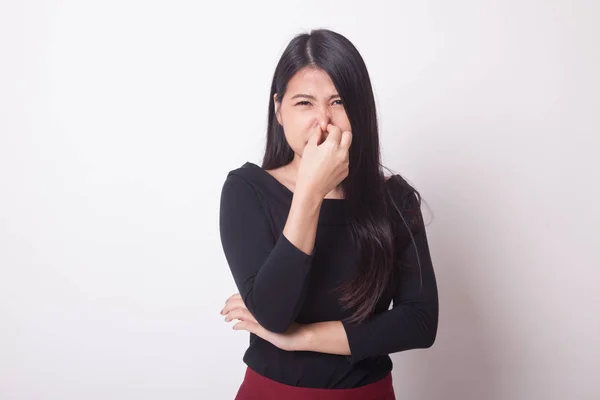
[(307, 103)]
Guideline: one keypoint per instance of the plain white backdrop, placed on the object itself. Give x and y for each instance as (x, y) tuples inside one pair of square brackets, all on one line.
[(120, 119)]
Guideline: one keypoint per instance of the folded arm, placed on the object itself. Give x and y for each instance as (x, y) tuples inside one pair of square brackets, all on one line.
[(410, 324), (270, 271)]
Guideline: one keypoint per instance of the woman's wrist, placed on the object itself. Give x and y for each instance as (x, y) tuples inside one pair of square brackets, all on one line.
[(307, 197), (305, 338), (323, 337)]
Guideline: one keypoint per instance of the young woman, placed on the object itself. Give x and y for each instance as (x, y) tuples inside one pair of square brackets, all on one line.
[(320, 242)]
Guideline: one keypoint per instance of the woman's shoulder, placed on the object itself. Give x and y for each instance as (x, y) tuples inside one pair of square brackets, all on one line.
[(252, 179), (241, 179), (244, 171), (247, 174), (399, 188), (405, 200)]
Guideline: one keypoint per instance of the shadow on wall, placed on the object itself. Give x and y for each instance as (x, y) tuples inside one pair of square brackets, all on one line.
[(460, 365)]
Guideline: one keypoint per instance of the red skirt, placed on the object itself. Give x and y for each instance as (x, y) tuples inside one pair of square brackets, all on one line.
[(258, 387)]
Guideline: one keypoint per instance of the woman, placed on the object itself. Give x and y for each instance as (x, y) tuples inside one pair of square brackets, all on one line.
[(320, 242)]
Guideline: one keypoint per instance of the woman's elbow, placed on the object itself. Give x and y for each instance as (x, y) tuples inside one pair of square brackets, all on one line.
[(273, 319), (430, 333), (270, 319), (429, 337), (274, 324)]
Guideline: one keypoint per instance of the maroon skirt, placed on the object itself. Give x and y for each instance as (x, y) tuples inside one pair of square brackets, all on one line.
[(257, 387)]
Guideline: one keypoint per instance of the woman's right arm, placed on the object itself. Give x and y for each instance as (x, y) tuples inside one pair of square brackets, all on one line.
[(270, 273)]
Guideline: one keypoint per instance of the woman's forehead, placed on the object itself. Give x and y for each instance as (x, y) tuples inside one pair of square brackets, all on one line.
[(311, 81)]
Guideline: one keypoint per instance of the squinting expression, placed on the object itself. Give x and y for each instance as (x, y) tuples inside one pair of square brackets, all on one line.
[(310, 96)]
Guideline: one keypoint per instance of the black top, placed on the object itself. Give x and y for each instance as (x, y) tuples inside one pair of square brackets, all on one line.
[(280, 284)]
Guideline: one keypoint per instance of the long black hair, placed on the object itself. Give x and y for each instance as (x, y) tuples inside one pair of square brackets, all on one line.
[(373, 210)]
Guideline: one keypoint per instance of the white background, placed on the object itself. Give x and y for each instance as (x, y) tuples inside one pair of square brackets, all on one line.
[(120, 119)]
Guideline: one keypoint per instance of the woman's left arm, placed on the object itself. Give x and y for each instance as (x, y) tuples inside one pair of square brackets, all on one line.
[(411, 323)]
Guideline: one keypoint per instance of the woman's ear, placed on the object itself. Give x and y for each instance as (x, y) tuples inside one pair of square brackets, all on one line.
[(277, 108)]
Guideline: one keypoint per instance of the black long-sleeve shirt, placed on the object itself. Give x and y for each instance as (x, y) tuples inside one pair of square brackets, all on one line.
[(280, 284)]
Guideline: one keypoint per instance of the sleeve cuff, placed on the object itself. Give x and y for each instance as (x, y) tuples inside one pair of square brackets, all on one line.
[(354, 334)]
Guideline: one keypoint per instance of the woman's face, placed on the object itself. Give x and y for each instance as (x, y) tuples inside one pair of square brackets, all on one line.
[(310, 98)]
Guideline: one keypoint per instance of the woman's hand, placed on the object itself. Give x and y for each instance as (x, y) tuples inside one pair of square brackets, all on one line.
[(325, 163), (293, 339)]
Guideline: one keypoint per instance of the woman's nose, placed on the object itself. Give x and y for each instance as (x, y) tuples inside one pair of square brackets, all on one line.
[(324, 118)]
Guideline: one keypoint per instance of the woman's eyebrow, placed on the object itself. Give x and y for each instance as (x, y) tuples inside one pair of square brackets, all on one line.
[(308, 96)]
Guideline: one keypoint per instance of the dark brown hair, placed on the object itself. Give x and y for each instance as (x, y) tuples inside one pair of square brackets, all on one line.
[(382, 221)]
